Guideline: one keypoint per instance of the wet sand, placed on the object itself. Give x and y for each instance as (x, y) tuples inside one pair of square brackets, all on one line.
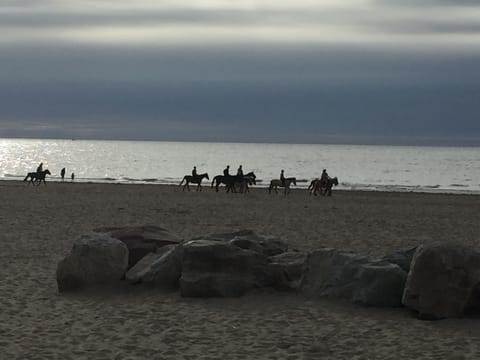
[(38, 226)]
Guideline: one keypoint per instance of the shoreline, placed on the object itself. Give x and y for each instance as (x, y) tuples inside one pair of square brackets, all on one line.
[(39, 226), (207, 185)]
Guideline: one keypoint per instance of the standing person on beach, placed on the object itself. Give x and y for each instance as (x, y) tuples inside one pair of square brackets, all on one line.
[(226, 171), (62, 174), (240, 171), (194, 171), (282, 178), (73, 176)]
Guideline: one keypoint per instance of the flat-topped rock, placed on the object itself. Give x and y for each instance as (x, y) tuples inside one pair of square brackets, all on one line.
[(342, 274)]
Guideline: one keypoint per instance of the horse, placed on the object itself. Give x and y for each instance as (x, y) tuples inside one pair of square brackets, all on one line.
[(324, 187), (230, 182), (247, 179), (37, 177), (329, 185), (194, 180), (276, 183)]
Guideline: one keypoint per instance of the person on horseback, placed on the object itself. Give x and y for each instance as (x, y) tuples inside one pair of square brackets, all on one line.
[(226, 171), (282, 178), (40, 168), (194, 171), (324, 178), (240, 171)]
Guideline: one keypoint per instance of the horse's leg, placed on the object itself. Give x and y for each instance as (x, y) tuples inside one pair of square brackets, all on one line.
[(199, 188)]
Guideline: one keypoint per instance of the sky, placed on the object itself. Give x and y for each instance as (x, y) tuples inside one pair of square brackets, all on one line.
[(401, 72)]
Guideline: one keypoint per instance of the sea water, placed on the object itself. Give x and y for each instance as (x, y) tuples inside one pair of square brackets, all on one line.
[(393, 168)]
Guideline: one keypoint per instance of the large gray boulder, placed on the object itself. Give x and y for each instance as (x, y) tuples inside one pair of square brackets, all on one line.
[(443, 281), (141, 240), (360, 279), (95, 259), (287, 270), (379, 284), (162, 269), (216, 268)]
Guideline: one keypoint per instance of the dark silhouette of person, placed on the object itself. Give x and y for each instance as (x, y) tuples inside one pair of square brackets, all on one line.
[(73, 176), (62, 174), (240, 171), (194, 171), (226, 171), (324, 178), (40, 168), (282, 177)]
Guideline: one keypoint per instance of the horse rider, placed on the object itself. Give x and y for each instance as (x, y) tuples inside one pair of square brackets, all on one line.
[(282, 178), (40, 168), (194, 171), (324, 178), (226, 171), (240, 171)]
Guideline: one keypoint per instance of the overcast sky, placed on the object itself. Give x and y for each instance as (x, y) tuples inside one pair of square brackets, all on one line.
[(298, 71)]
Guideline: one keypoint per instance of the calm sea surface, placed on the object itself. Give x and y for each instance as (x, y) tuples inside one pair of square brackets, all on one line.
[(394, 168)]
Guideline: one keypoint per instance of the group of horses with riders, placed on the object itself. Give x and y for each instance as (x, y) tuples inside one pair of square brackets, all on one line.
[(240, 182), (233, 183)]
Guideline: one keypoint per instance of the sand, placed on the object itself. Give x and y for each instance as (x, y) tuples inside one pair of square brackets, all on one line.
[(38, 226)]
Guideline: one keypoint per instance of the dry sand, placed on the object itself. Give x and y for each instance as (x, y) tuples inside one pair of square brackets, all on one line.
[(38, 226)]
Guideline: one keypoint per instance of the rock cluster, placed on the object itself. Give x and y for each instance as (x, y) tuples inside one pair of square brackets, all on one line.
[(436, 281)]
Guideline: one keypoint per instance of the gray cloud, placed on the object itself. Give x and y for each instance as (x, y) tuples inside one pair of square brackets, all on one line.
[(375, 82)]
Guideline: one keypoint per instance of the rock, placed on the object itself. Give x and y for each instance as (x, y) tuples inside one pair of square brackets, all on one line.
[(216, 268), (141, 240), (162, 269), (95, 259), (287, 270), (379, 284), (357, 278), (249, 240), (402, 258), (443, 281)]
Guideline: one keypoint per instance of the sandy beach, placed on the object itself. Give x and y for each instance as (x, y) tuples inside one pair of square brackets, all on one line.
[(39, 225)]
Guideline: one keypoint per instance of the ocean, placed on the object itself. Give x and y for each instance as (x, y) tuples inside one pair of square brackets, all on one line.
[(358, 167)]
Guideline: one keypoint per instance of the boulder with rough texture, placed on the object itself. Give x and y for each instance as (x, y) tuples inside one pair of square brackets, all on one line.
[(443, 281), (162, 269), (402, 258), (249, 240), (216, 268), (379, 284), (287, 270), (141, 240), (357, 278), (95, 259)]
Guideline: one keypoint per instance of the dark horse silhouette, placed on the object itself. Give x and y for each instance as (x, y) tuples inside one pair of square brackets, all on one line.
[(322, 187), (194, 180), (231, 181), (276, 183), (36, 178)]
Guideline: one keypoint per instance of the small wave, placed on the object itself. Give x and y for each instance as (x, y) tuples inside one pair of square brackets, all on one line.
[(458, 185), (431, 186), (13, 176)]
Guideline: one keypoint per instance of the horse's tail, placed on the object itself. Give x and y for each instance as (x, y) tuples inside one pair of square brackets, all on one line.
[(26, 177), (181, 182)]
